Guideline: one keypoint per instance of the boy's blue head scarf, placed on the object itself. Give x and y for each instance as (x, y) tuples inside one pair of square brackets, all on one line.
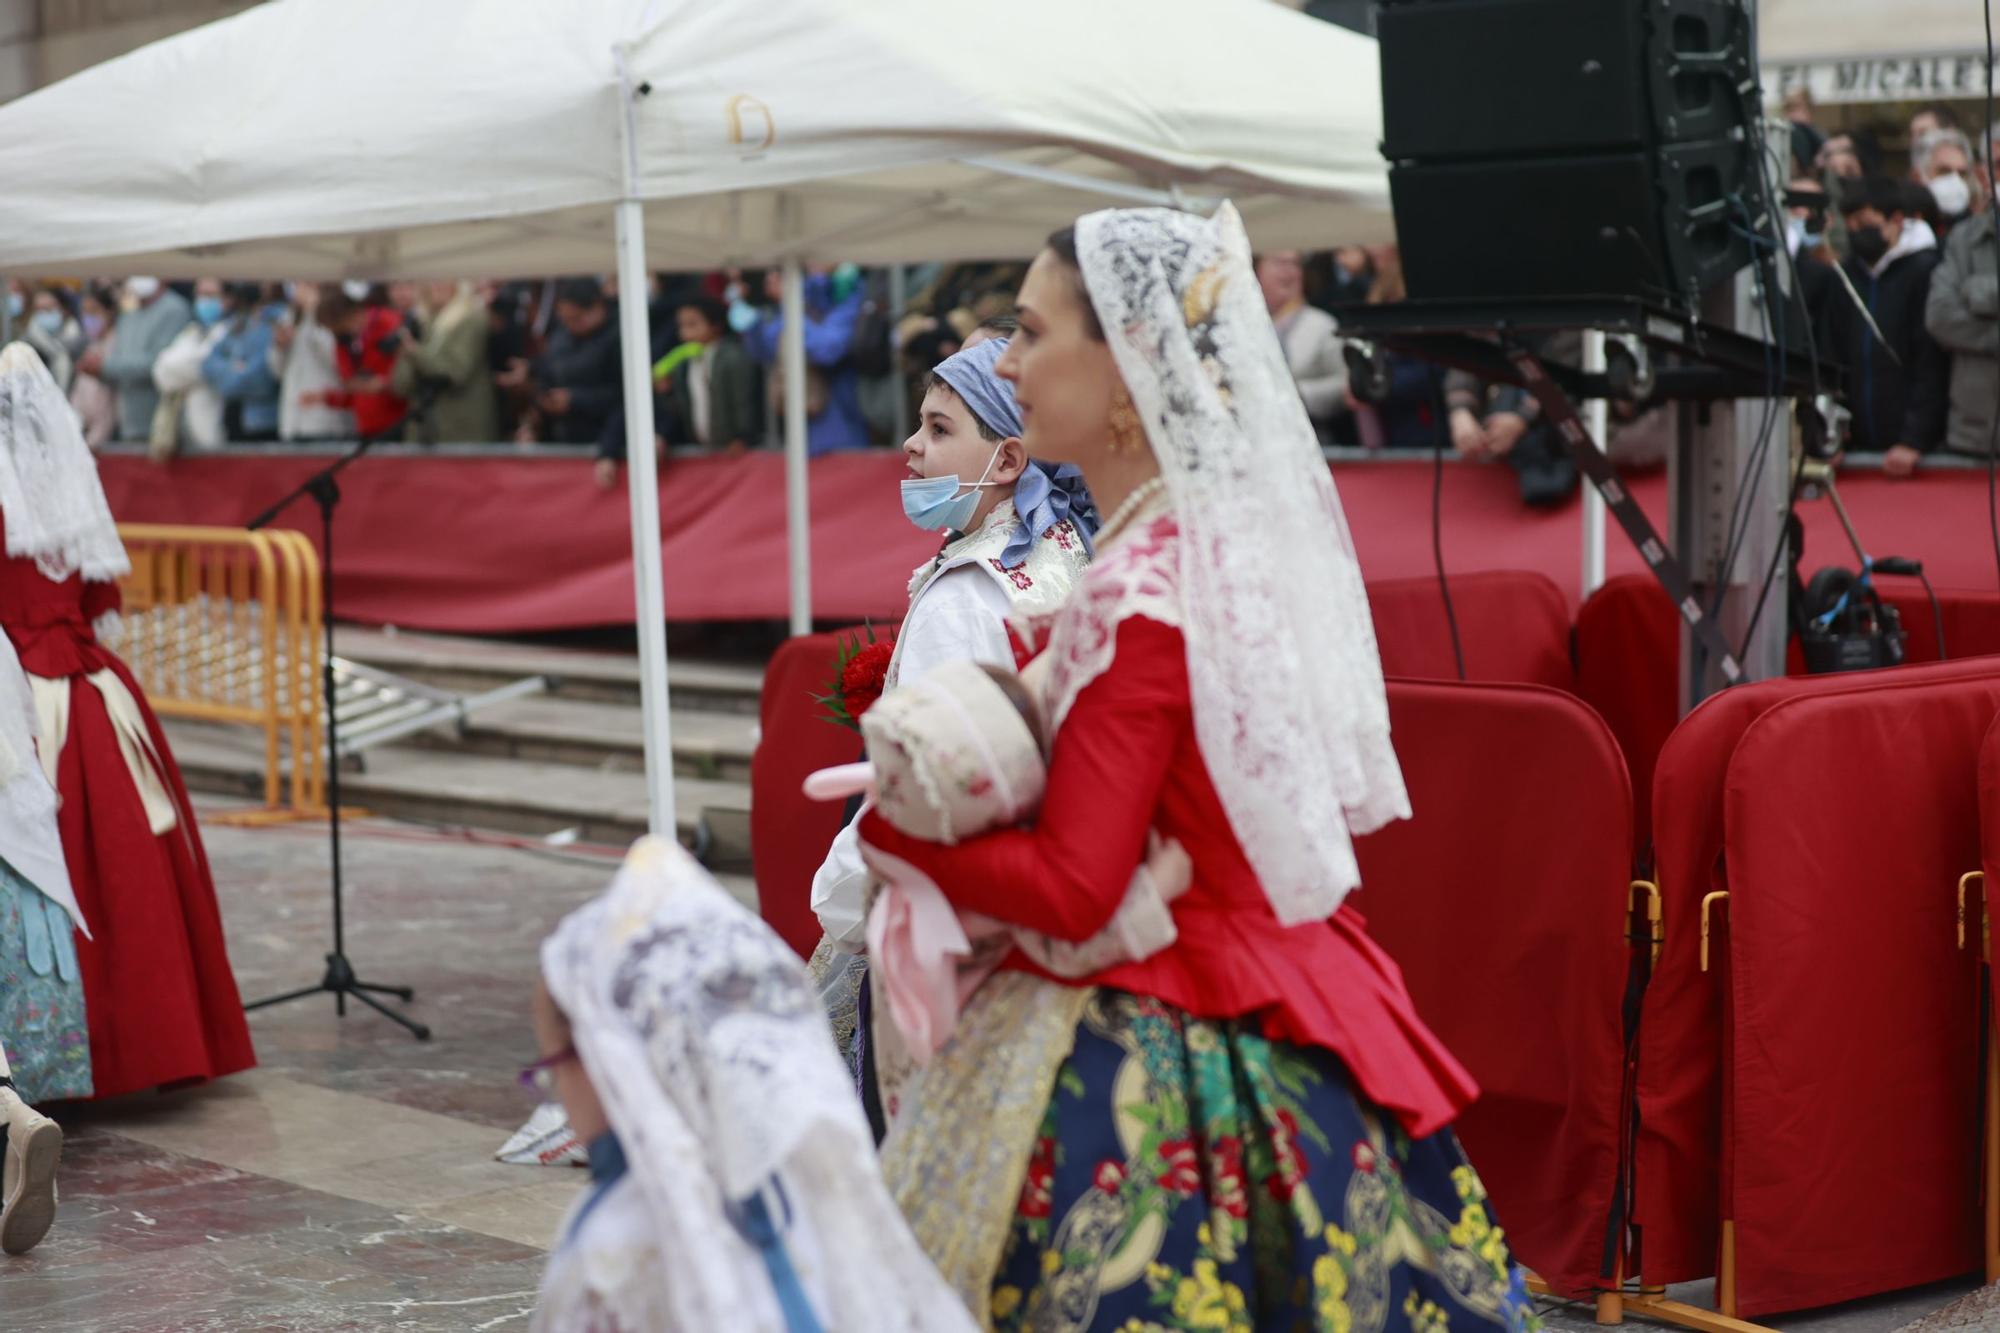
[(1047, 493)]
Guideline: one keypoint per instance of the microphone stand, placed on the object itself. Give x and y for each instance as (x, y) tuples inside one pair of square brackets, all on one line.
[(340, 979)]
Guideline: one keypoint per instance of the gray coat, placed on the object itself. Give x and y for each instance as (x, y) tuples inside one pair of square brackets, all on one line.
[(1963, 315)]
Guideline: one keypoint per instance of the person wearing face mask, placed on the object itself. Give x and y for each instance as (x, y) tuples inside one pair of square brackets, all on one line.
[(1942, 163), (1017, 537), (153, 317), (1897, 373), (55, 335), (96, 406), (192, 410), (1963, 315)]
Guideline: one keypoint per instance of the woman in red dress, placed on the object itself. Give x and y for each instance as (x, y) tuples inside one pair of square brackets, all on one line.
[(1249, 1129), (159, 993)]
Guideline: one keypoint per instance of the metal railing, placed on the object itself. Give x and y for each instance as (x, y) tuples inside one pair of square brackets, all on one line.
[(223, 625)]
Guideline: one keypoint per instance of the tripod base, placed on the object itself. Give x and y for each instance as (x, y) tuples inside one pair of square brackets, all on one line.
[(340, 982)]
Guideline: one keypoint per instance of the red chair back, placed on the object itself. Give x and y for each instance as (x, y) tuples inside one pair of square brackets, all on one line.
[(1628, 669), (789, 834), (1679, 1146), (1852, 1095), (1512, 624), (1507, 916)]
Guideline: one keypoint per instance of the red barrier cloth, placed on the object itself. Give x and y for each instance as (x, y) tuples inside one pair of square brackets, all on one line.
[(1852, 1119), (1681, 1034), (789, 834), (497, 545), (1508, 920), (1512, 624)]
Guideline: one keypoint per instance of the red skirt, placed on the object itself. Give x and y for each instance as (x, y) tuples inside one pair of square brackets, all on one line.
[(158, 989)]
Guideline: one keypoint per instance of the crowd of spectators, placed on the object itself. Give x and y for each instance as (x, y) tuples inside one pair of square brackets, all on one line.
[(1897, 271), (195, 365)]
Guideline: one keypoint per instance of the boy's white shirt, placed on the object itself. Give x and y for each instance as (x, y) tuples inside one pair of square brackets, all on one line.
[(960, 606)]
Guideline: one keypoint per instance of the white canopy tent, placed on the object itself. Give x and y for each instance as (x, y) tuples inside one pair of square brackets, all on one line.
[(379, 138), (1847, 51)]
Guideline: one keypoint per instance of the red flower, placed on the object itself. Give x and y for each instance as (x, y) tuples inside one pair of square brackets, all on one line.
[(861, 680), (1180, 1170), (1038, 1190), (1228, 1190), (1110, 1175)]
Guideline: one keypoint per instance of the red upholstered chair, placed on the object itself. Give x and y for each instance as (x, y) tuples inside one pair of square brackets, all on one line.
[(1678, 1155), (1971, 620), (1850, 1112), (1628, 669), (1512, 624), (789, 834), (1507, 914), (1983, 883)]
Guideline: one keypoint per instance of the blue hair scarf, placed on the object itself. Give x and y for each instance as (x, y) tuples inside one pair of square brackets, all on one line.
[(1047, 493)]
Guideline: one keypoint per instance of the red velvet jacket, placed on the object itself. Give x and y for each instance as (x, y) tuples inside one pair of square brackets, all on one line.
[(1125, 761)]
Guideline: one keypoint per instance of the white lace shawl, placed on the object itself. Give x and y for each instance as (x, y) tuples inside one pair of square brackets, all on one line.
[(713, 1060), (49, 491), (1287, 689)]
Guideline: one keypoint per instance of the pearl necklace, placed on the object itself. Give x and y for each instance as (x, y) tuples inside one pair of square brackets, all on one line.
[(1124, 514)]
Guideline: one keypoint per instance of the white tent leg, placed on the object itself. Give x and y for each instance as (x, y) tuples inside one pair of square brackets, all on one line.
[(1597, 420), (642, 475), (798, 500)]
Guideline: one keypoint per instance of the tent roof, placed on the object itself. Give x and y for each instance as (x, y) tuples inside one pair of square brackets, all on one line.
[(369, 138)]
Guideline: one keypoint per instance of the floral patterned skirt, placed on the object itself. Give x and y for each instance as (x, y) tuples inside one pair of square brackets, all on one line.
[(42, 1024), (1192, 1174)]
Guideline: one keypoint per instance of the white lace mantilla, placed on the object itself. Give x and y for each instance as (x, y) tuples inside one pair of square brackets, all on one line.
[(1287, 690), (709, 1051), (49, 491)]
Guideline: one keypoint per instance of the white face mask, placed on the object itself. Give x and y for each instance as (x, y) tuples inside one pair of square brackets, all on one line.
[(1953, 195), (142, 289)]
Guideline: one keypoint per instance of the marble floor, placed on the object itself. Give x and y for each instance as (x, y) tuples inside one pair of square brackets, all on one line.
[(347, 1183)]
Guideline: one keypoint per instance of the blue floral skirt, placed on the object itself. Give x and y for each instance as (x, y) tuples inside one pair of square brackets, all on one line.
[(1191, 1174), (42, 1026)]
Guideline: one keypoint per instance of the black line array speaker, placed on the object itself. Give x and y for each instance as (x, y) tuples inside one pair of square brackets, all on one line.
[(1569, 147)]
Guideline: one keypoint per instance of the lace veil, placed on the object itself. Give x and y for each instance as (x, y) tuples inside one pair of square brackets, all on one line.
[(1287, 688), (712, 1058), (49, 492)]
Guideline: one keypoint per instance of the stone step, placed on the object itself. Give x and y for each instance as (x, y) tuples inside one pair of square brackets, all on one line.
[(471, 665), (603, 805), (557, 730)]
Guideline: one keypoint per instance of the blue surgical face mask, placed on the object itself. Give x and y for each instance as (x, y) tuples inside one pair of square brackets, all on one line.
[(13, 305), (742, 316), (934, 504), (208, 309), (49, 321)]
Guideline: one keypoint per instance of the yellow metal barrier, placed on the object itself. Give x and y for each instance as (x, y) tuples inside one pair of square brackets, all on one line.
[(223, 625)]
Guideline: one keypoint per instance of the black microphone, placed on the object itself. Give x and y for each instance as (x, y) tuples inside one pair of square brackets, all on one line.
[(1896, 564)]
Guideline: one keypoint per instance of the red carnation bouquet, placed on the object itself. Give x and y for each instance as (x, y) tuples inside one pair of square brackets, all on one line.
[(860, 669)]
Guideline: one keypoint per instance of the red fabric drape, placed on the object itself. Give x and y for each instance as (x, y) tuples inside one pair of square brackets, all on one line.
[(507, 544), (1508, 920), (1852, 1119)]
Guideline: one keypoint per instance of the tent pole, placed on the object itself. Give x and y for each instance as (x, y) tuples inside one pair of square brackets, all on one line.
[(1597, 420), (635, 349), (798, 515)]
